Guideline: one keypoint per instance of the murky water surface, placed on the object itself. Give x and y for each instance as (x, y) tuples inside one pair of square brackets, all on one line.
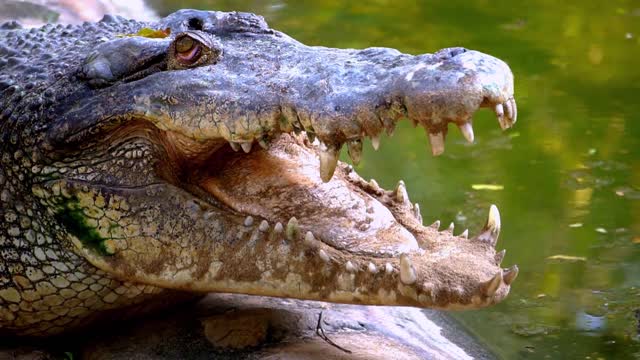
[(566, 178)]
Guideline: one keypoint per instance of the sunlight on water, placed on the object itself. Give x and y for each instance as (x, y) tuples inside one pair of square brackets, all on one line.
[(566, 177)]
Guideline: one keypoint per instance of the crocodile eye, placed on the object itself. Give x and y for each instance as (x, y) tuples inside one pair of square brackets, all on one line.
[(193, 48), (188, 50)]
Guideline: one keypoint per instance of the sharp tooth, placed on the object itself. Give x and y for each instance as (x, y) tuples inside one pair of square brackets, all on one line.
[(292, 228), (350, 267), (451, 227), (416, 212), (436, 225), (465, 234), (264, 226), (467, 131), (391, 130), (401, 192), (388, 268), (500, 256), (248, 221), (372, 268), (309, 239), (491, 229), (234, 146), (493, 222), (355, 150), (246, 146), (263, 144), (324, 256), (374, 184), (407, 272), (278, 228), (375, 142), (508, 107), (328, 161), (510, 274), (493, 284), (515, 111), (499, 110), (437, 143)]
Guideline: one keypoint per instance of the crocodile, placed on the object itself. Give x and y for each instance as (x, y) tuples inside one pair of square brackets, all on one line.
[(204, 158)]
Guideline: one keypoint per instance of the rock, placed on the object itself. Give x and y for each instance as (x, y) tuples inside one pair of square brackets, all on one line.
[(227, 326)]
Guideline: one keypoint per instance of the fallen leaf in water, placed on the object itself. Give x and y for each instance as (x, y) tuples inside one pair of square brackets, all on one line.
[(575, 225), (636, 240), (489, 187), (567, 258), (150, 33), (601, 230)]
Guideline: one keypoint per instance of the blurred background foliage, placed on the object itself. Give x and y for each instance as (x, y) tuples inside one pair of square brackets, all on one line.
[(567, 175)]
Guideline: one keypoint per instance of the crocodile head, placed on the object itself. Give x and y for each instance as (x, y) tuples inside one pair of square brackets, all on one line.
[(207, 160)]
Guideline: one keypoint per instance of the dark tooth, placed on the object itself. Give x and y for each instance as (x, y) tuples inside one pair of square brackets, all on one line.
[(311, 136), (292, 229), (354, 148)]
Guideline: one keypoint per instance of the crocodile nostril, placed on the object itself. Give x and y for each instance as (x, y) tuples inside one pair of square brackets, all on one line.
[(195, 24), (457, 51)]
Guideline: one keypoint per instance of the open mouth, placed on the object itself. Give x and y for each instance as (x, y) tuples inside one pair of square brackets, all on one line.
[(282, 185), (348, 223)]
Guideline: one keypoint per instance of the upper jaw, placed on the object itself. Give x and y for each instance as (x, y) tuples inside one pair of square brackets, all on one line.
[(339, 96)]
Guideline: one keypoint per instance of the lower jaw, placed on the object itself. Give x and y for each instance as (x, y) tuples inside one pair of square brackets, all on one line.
[(287, 247)]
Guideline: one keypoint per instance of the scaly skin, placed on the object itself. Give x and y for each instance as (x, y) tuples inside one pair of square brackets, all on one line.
[(120, 184)]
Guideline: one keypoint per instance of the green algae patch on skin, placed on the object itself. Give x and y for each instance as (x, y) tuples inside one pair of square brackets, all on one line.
[(70, 214)]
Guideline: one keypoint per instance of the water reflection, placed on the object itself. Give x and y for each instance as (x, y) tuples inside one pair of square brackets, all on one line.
[(566, 178)]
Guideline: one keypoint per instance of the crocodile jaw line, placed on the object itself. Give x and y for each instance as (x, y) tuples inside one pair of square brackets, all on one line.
[(371, 248)]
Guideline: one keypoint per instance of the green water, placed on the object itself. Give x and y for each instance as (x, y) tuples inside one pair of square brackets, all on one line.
[(569, 171)]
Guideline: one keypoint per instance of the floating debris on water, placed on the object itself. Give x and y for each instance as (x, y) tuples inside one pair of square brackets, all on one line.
[(601, 230), (569, 258), (490, 187), (575, 225)]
